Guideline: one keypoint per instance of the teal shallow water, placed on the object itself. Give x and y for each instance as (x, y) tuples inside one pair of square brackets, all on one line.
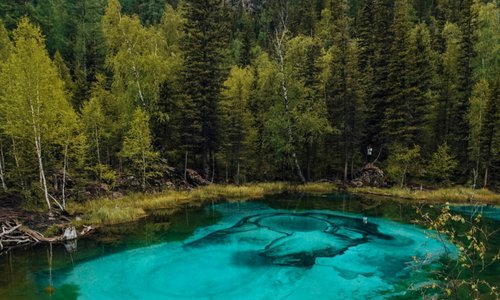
[(278, 249), (261, 253)]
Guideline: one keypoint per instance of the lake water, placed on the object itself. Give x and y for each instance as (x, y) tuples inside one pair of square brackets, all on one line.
[(281, 247)]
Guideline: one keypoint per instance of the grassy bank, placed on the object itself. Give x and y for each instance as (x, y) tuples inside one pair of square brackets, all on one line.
[(452, 195), (135, 206)]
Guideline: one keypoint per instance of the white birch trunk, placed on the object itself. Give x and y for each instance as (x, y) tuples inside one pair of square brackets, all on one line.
[(279, 47), (65, 166), (38, 147), (2, 168)]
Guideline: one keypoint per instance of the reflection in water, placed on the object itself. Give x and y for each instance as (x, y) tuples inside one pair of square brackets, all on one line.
[(256, 252)]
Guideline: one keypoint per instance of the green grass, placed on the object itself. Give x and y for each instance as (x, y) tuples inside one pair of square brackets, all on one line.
[(454, 194), (135, 206)]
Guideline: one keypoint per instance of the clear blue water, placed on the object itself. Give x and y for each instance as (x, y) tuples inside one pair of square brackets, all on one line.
[(486, 211), (256, 252), (281, 247)]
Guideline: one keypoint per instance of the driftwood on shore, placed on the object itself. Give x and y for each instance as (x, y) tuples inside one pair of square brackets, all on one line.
[(14, 234)]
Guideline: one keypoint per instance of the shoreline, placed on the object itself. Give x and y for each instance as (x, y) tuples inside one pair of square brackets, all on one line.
[(133, 207), (106, 211)]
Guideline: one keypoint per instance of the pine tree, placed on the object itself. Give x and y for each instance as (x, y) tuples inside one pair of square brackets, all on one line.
[(89, 46), (235, 121), (204, 71), (421, 75), (64, 73), (460, 130), (490, 136), (447, 84), (378, 85), (5, 44), (396, 127), (343, 87)]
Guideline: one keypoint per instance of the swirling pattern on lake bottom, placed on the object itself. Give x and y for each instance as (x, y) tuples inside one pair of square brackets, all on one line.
[(256, 252)]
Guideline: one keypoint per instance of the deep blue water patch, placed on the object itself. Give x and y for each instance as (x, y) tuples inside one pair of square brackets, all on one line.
[(256, 252)]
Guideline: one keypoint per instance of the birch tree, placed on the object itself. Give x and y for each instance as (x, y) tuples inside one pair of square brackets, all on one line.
[(279, 42), (5, 48), (34, 98), (134, 56)]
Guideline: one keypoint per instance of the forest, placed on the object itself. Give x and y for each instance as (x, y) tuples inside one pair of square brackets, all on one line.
[(100, 95)]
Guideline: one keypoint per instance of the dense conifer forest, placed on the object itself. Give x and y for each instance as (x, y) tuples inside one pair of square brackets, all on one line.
[(98, 94)]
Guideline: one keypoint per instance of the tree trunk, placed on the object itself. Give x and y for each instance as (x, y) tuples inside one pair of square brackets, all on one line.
[(98, 150), (38, 148), (185, 165), (238, 173), (485, 184), (213, 168), (143, 171), (206, 167), (65, 166), (227, 172), (43, 180), (18, 166), (279, 41), (2, 168)]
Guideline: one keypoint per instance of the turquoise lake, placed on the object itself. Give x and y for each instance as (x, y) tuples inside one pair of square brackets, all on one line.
[(283, 247)]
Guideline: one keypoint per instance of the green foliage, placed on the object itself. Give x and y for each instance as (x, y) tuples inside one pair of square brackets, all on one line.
[(486, 62), (346, 74), (236, 131), (138, 148), (461, 275), (204, 72), (34, 104), (442, 165), (138, 67), (403, 162)]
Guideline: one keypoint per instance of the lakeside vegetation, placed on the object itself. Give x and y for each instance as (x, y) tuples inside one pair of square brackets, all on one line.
[(132, 207), (442, 195), (135, 206), (245, 91)]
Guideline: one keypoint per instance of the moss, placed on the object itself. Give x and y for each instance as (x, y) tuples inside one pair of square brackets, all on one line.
[(51, 231)]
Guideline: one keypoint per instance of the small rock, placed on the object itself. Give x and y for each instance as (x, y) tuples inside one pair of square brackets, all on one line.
[(70, 233)]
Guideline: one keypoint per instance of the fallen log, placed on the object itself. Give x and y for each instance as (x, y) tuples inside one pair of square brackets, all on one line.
[(15, 234)]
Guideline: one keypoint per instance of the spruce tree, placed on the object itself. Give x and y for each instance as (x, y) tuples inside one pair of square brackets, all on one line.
[(378, 88), (343, 87), (490, 137), (459, 131), (204, 71), (398, 112)]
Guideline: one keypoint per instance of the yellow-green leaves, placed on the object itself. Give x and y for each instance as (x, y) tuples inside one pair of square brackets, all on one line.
[(138, 148)]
